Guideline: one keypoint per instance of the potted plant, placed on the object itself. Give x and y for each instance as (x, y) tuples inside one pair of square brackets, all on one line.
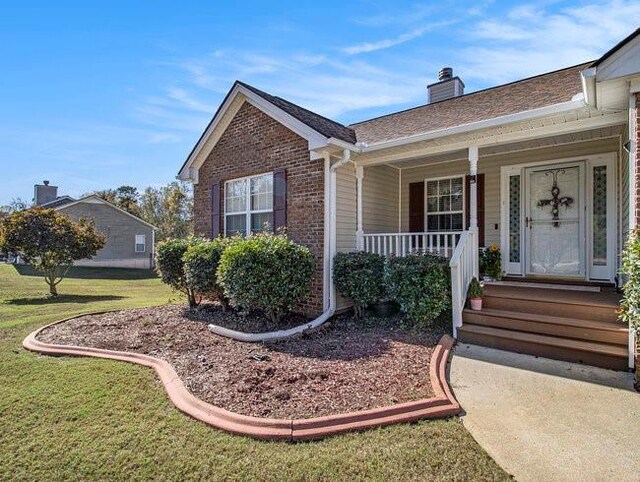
[(475, 294), (491, 263)]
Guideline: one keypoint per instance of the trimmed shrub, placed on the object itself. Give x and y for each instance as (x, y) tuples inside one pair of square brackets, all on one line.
[(170, 265), (201, 262), (630, 267), (266, 272), (421, 285), (360, 277)]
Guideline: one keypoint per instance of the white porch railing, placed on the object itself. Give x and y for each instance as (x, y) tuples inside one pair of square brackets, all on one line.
[(464, 266), (405, 244)]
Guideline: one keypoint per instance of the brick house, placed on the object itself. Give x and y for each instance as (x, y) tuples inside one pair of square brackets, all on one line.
[(545, 167)]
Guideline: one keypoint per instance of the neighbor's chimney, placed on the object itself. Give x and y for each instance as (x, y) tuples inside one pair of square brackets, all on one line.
[(447, 86), (44, 193)]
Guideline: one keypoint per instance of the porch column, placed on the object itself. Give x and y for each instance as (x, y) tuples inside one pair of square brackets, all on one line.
[(359, 230), (473, 207), (473, 187)]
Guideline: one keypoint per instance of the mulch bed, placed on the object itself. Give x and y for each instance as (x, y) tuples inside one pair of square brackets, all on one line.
[(342, 367)]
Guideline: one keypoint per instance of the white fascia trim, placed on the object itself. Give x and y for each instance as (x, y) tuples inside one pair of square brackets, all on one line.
[(483, 124), (107, 203), (314, 138)]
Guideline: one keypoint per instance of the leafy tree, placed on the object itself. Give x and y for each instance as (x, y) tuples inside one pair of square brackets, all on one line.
[(16, 204), (127, 198), (50, 241), (169, 208), (108, 195)]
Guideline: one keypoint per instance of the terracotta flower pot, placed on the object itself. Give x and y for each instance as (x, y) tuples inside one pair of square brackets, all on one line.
[(476, 304)]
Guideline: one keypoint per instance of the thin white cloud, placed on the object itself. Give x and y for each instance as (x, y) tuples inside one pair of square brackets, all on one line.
[(531, 39)]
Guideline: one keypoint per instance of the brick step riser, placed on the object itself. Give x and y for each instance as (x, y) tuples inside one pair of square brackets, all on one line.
[(546, 351), (562, 331), (539, 307)]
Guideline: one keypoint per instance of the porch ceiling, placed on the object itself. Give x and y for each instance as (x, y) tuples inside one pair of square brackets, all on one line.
[(549, 141)]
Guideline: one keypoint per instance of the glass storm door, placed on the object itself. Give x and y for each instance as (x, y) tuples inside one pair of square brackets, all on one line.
[(554, 220)]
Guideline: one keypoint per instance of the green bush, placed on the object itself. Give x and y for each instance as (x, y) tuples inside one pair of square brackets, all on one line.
[(421, 285), (170, 265), (630, 266), (266, 272), (360, 277), (201, 262)]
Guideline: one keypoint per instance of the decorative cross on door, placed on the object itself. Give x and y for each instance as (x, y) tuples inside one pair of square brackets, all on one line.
[(556, 201)]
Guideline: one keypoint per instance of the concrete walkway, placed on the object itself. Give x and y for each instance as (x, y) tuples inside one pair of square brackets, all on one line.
[(547, 420)]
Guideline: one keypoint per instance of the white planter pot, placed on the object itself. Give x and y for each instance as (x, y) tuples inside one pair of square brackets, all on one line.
[(476, 304)]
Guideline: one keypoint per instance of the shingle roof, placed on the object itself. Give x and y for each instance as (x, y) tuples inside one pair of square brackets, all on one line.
[(324, 126), (522, 95), (59, 201)]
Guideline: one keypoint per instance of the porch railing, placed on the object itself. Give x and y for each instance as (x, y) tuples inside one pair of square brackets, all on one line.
[(464, 266), (405, 244)]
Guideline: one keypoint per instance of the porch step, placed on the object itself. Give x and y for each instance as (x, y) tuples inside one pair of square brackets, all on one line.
[(580, 305), (578, 351), (589, 330)]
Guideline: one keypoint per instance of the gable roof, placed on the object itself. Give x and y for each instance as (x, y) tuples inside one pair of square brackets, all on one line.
[(57, 202), (323, 125), (616, 47), (522, 95), (98, 200)]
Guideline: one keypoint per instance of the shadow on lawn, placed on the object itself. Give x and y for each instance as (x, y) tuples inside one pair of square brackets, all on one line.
[(48, 300), (83, 272)]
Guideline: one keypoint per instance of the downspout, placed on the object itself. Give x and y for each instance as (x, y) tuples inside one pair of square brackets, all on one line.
[(329, 301)]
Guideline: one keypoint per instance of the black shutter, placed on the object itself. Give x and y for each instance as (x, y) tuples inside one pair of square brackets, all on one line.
[(216, 211), (416, 207), (480, 189), (279, 199)]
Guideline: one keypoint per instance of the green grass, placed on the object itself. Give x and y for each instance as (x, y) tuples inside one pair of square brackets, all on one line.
[(88, 419)]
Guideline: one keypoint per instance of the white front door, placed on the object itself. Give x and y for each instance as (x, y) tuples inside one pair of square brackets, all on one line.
[(554, 220)]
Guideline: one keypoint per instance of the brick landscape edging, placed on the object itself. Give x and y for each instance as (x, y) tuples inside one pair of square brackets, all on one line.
[(441, 404)]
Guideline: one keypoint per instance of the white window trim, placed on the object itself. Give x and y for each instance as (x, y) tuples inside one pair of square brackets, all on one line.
[(248, 211), (426, 205), (144, 243)]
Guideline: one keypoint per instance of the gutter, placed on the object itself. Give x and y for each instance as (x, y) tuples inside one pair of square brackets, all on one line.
[(588, 78)]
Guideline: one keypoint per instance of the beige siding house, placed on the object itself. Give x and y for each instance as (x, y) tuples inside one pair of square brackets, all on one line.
[(544, 168), (129, 240)]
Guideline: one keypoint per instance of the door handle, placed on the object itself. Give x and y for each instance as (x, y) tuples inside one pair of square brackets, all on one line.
[(527, 222)]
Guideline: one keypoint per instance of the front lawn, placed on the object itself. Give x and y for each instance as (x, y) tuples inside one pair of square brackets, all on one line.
[(82, 418)]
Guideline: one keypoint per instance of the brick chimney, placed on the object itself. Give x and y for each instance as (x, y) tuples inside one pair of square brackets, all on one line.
[(44, 193), (447, 86)]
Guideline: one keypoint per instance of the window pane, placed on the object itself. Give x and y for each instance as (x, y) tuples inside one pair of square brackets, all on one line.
[(262, 192), (261, 222), (432, 188), (236, 224), (514, 219), (600, 215), (236, 196)]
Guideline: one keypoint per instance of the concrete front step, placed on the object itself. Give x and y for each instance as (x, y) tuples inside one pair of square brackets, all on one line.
[(579, 351), (581, 305), (589, 330)]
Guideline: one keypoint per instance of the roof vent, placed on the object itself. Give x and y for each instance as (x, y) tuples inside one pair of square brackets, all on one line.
[(46, 183), (446, 88)]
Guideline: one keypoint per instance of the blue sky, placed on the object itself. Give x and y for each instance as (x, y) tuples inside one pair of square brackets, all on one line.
[(98, 94)]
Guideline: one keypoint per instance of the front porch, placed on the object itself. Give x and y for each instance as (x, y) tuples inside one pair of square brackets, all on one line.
[(455, 201)]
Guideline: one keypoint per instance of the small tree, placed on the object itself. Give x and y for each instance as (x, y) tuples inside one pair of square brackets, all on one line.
[(49, 241), (170, 262), (359, 276)]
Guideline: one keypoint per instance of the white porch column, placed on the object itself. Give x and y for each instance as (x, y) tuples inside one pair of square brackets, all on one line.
[(359, 230), (473, 207)]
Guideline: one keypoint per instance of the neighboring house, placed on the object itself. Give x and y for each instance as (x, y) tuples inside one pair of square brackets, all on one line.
[(545, 167), (129, 240)]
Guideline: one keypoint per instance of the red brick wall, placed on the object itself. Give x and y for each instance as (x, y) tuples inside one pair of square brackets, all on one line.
[(255, 143)]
